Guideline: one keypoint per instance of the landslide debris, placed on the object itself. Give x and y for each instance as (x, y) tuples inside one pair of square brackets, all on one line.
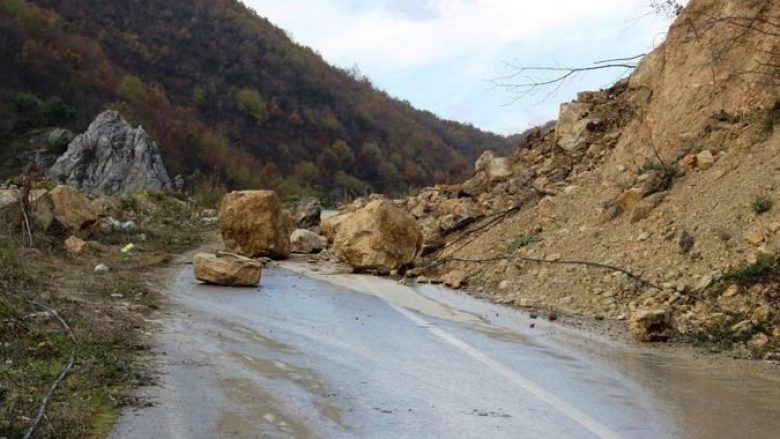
[(668, 175)]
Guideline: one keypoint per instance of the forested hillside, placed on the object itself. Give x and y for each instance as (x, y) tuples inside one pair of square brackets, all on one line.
[(225, 94)]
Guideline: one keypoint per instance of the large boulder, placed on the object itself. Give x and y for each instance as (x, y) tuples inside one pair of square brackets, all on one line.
[(112, 157), (227, 269), (573, 128), (330, 225), (494, 168), (71, 208), (379, 236), (252, 224), (307, 242)]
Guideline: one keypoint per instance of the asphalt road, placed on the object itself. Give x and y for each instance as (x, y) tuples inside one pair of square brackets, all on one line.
[(353, 356)]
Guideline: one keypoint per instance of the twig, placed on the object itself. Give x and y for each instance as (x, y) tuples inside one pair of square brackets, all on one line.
[(26, 223), (65, 370)]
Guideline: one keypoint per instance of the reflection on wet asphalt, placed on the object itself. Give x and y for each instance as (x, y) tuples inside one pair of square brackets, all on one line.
[(354, 356)]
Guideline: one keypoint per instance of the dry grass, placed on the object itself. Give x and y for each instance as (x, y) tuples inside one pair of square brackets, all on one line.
[(105, 312)]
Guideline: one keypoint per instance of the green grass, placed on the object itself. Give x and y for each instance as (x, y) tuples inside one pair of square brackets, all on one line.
[(761, 205), (520, 242)]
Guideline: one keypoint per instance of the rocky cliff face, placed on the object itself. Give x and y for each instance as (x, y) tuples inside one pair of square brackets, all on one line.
[(112, 157)]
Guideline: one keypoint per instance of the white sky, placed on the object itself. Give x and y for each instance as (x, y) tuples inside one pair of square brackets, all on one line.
[(441, 54)]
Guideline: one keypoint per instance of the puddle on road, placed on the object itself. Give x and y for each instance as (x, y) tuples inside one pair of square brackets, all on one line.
[(249, 335), (303, 378), (256, 404)]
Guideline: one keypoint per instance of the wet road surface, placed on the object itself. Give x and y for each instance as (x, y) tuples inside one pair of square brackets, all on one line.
[(358, 356)]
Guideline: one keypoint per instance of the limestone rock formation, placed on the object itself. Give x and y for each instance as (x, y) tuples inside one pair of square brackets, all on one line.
[(227, 269), (252, 224), (378, 236), (112, 157)]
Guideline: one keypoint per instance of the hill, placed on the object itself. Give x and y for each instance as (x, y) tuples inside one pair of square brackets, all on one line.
[(227, 95)]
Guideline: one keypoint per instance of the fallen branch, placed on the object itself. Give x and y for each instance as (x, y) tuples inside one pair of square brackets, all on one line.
[(553, 261), (60, 377)]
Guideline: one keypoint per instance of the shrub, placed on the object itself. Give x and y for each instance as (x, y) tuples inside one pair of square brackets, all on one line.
[(765, 268), (667, 172), (28, 104), (520, 242), (761, 205)]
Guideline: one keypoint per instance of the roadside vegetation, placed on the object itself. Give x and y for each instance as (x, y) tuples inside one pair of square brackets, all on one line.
[(105, 312)]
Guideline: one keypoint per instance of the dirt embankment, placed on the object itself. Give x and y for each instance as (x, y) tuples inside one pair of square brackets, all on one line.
[(669, 175)]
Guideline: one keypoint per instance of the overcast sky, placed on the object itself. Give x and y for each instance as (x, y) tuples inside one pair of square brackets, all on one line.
[(441, 54)]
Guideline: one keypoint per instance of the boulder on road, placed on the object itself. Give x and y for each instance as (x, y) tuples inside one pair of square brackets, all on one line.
[(71, 208), (307, 242), (379, 236), (227, 269), (252, 224), (651, 325)]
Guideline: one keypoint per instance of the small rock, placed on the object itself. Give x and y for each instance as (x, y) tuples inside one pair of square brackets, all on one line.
[(685, 242), (504, 284), (773, 227), (759, 342), (307, 242), (705, 282), (651, 325), (760, 314), (114, 225), (705, 160), (741, 327), (76, 246), (117, 296), (644, 236), (552, 316), (756, 239), (628, 199), (776, 333), (101, 268), (731, 291), (209, 221), (454, 279), (688, 162)]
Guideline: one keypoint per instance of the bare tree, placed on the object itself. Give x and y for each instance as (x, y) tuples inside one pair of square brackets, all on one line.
[(721, 42)]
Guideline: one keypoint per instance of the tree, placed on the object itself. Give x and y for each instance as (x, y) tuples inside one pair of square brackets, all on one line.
[(251, 103)]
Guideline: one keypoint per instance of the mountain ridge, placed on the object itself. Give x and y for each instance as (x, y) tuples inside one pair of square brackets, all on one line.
[(226, 94)]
